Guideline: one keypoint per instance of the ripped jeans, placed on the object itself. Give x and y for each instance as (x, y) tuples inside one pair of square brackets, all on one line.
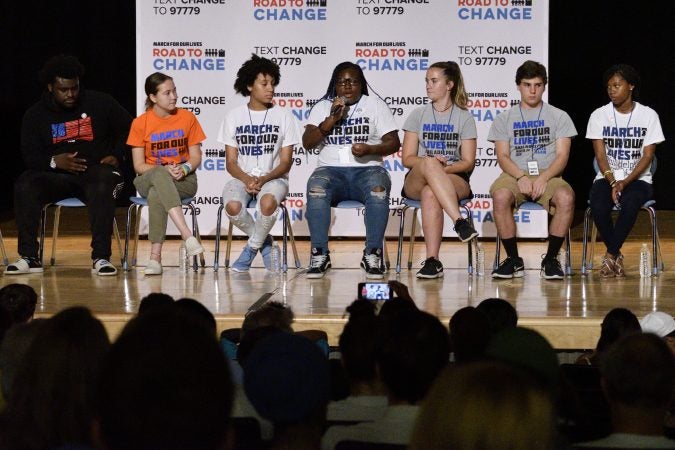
[(329, 185)]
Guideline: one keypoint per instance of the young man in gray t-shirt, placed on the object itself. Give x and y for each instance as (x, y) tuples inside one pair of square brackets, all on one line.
[(532, 143)]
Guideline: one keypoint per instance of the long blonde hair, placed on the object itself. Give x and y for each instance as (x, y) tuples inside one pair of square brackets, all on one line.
[(453, 73)]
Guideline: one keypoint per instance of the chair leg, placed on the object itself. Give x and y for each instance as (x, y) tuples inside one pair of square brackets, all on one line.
[(401, 227), (568, 261), (498, 247), (284, 234), (125, 258), (43, 229), (195, 233), (219, 221), (584, 245), (469, 265), (228, 247), (298, 263), (137, 227), (594, 237), (5, 261), (411, 244), (119, 241), (656, 245), (55, 234), (387, 263)]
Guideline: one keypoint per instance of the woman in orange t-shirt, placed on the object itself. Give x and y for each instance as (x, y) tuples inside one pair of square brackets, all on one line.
[(166, 151)]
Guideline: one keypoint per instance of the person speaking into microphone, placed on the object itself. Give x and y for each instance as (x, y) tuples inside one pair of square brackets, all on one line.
[(352, 131)]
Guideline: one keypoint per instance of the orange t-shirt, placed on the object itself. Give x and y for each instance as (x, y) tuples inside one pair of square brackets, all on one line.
[(166, 139)]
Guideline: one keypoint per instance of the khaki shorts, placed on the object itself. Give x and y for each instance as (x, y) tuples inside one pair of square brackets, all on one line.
[(506, 181)]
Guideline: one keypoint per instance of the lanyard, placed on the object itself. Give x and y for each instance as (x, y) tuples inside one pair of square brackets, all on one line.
[(616, 122), (250, 119), (520, 107)]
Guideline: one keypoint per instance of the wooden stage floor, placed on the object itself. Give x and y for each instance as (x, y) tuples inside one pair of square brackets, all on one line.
[(567, 312)]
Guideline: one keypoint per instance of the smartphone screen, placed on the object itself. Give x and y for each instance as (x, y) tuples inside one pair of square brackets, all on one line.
[(374, 291)]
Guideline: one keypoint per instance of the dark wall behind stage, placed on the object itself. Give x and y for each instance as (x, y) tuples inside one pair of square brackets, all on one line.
[(586, 37)]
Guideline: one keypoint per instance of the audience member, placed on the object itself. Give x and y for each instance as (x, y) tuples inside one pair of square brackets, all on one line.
[(527, 350), (367, 400), (19, 300), (619, 322), (198, 312), (500, 314), (14, 346), (485, 406), (52, 398), (274, 314), (165, 384), (469, 335), (154, 300), (638, 377), (412, 348), (286, 379)]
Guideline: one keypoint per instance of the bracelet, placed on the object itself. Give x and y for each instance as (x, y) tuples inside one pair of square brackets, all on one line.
[(523, 175), (613, 183), (604, 174), (187, 168)]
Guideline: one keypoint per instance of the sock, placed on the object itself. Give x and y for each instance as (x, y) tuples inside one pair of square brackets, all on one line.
[(554, 244), (511, 247)]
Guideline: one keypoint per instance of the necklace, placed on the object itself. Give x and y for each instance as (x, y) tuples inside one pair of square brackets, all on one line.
[(450, 105)]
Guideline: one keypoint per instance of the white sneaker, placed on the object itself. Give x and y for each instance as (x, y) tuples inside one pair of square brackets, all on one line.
[(103, 267), (193, 247), (153, 268)]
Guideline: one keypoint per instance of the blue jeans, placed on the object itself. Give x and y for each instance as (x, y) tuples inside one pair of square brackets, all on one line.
[(632, 198), (328, 186)]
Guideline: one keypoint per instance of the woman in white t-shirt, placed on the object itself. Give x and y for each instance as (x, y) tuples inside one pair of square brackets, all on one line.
[(439, 148), (259, 139), (624, 135)]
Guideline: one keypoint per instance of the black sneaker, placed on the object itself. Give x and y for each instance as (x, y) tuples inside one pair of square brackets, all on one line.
[(510, 268), (372, 264), (464, 230), (25, 264), (551, 269), (431, 268), (318, 263)]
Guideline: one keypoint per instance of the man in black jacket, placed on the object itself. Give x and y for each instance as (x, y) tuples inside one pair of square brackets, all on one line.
[(71, 142)]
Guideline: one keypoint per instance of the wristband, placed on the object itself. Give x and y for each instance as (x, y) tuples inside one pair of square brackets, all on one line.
[(187, 168)]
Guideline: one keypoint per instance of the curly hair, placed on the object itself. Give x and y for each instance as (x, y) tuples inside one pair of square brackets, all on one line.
[(628, 73), (62, 66), (250, 70)]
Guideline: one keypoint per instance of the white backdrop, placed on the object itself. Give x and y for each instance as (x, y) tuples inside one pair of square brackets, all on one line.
[(202, 44)]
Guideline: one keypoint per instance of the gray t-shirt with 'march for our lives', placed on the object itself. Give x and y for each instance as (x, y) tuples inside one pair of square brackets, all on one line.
[(532, 133)]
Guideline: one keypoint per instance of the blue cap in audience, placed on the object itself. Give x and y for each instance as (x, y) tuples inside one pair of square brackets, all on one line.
[(286, 378)]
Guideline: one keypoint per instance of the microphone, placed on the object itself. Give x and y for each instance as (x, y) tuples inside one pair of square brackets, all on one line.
[(336, 108)]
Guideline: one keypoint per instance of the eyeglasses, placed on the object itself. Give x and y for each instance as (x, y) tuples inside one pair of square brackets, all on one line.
[(348, 82)]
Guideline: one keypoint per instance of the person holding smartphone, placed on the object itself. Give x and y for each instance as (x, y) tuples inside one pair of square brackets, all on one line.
[(624, 135), (259, 138), (439, 148)]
